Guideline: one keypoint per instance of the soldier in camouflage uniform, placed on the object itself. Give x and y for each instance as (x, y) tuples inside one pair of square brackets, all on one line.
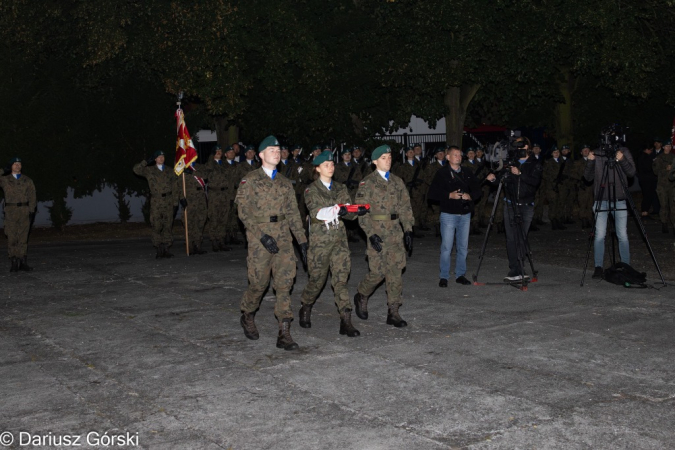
[(434, 208), (480, 173), (541, 192), (266, 204), (221, 180), (662, 166), (363, 163), (412, 174), (164, 194), (328, 249), (349, 174), (232, 227), (484, 170), (194, 201), (20, 207), (390, 210), (584, 198), (552, 178), (568, 196)]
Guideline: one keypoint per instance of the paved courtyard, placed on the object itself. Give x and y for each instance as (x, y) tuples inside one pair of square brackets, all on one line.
[(103, 340)]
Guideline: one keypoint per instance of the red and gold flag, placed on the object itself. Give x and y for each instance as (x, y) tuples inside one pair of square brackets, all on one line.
[(186, 153)]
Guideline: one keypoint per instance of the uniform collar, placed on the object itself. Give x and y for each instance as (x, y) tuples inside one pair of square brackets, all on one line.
[(384, 175), (270, 173)]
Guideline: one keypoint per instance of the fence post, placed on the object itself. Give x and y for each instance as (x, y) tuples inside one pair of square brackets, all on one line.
[(405, 139)]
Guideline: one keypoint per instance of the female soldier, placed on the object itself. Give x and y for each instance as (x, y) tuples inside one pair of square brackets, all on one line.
[(328, 248)]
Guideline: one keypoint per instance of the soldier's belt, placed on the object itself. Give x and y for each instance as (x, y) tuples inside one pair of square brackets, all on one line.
[(17, 204), (384, 216), (271, 219)]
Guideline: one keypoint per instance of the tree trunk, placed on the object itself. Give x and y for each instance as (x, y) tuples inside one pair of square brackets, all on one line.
[(226, 134), (563, 114), (457, 99)]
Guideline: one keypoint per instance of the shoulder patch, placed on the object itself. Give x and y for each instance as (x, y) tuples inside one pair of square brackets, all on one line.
[(306, 190), (242, 182), (362, 183)]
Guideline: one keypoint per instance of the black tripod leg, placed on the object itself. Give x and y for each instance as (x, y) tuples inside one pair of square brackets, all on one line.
[(487, 232)]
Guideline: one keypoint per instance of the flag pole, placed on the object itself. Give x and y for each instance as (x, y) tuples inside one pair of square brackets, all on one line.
[(187, 242)]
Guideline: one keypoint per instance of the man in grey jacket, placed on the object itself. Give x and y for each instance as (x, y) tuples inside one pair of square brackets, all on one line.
[(612, 200)]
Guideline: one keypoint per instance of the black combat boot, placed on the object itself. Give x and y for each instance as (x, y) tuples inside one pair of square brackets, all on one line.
[(306, 316), (15, 264), (361, 306), (160, 251), (346, 326), (284, 340), (394, 318), (247, 322), (167, 253), (215, 245), (23, 265)]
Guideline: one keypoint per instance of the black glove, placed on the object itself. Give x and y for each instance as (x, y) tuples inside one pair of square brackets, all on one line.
[(376, 242), (408, 241), (303, 254), (269, 243), (362, 211), (183, 202), (343, 211), (150, 161)]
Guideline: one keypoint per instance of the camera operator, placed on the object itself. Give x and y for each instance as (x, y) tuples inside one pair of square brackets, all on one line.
[(455, 188), (521, 180), (613, 198)]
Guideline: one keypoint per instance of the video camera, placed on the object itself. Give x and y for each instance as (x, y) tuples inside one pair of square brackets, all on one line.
[(612, 138), (507, 152)]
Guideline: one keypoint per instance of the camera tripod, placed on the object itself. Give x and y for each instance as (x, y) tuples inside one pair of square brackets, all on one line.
[(611, 167), (522, 244)]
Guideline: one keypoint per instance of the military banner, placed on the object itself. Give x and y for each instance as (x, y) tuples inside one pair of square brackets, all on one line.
[(186, 153)]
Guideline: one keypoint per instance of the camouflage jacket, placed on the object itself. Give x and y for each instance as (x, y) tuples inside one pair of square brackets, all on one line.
[(19, 191), (660, 166), (223, 178), (162, 182), (552, 173), (342, 176), (259, 198), (385, 198), (317, 196), (289, 170), (407, 171)]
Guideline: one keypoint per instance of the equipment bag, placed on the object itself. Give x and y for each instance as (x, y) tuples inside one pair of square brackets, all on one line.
[(624, 275)]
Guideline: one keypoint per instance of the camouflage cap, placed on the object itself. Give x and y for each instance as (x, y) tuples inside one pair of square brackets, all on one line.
[(379, 151), (324, 156), (16, 159), (269, 141), (155, 155)]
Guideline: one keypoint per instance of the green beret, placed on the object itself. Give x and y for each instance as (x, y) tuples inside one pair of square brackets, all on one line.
[(379, 151), (269, 141), (583, 146), (657, 139), (14, 160), (356, 147), (249, 147), (554, 148), (215, 149), (324, 156), (439, 150), (417, 145), (297, 147), (536, 145), (565, 147), (156, 154), (471, 149), (317, 147), (284, 147), (668, 142), (346, 150), (229, 148)]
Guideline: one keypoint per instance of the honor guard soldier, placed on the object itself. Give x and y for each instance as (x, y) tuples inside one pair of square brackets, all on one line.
[(249, 164), (541, 192), (662, 165), (390, 210), (584, 189), (266, 204), (328, 249), (410, 171), (234, 177), (553, 179), (164, 194), (349, 174), (433, 207), (194, 201), (476, 168), (359, 160), (220, 183), (568, 192), (20, 207)]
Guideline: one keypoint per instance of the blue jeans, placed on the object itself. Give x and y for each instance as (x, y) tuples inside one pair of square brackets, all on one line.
[(620, 222), (454, 225)]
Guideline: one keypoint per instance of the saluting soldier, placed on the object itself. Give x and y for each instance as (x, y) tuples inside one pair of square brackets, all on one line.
[(266, 204), (328, 249), (20, 207), (390, 210), (164, 195), (194, 201), (413, 177), (220, 183), (349, 174)]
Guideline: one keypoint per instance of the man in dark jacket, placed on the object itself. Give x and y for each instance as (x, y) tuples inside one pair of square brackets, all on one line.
[(520, 187), (648, 180), (612, 198), (456, 189)]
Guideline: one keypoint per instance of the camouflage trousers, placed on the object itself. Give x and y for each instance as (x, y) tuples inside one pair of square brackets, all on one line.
[(161, 220), (539, 204), (260, 264), (197, 215), (17, 225), (585, 202), (666, 199), (218, 215), (433, 214), (418, 201), (328, 250), (232, 225), (386, 265), (555, 209)]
